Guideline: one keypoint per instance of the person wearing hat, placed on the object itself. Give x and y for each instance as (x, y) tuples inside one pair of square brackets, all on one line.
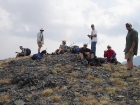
[(131, 46), (93, 38), (40, 39), (110, 55), (62, 48)]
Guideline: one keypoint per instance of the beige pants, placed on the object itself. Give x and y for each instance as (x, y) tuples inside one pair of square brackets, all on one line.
[(129, 56), (39, 44)]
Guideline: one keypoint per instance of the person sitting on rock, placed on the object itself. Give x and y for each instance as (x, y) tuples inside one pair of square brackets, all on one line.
[(25, 52), (110, 55), (85, 53), (62, 49)]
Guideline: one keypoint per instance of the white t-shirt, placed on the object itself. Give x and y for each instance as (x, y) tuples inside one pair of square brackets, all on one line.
[(94, 39)]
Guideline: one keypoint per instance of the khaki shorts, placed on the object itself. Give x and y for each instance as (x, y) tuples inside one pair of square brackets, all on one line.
[(129, 56), (39, 44)]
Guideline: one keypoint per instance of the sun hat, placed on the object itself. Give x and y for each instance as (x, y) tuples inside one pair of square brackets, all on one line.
[(41, 29)]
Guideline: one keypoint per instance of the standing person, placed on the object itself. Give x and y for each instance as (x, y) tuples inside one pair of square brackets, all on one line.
[(93, 38), (25, 52), (40, 39), (131, 46)]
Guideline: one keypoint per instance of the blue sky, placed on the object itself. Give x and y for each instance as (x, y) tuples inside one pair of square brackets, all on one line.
[(66, 20)]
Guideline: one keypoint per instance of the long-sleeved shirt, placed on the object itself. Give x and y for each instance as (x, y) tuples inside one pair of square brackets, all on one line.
[(40, 37)]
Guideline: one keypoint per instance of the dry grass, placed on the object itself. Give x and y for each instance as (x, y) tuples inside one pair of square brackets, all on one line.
[(56, 88), (5, 81), (29, 97), (54, 71), (58, 65), (104, 101), (91, 102), (120, 88), (111, 90), (56, 98), (107, 67), (63, 88), (62, 68), (82, 99), (5, 98), (97, 80), (117, 74), (74, 74), (68, 66), (47, 92), (118, 81), (138, 102), (90, 77)]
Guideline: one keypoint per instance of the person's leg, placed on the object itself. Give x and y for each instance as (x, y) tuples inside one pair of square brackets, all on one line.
[(93, 47), (129, 57), (39, 46), (17, 55), (81, 56)]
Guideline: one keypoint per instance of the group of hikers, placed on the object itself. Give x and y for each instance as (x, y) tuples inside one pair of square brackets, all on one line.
[(87, 54)]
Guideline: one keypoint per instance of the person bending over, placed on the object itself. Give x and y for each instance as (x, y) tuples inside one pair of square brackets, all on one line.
[(25, 52), (62, 49), (110, 55)]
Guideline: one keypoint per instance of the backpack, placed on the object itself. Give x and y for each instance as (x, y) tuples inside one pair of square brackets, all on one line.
[(94, 62), (36, 56), (75, 49), (39, 55)]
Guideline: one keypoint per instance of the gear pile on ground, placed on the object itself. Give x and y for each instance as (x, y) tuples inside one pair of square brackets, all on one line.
[(63, 80)]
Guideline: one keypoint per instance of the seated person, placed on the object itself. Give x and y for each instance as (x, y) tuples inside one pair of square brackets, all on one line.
[(25, 52), (85, 52), (110, 55), (62, 49)]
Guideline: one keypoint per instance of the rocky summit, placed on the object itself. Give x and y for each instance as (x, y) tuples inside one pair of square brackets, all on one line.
[(63, 80)]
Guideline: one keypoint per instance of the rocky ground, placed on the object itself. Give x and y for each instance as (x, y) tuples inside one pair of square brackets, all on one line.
[(62, 80)]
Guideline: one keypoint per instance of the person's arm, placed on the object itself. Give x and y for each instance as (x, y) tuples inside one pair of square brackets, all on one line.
[(24, 51), (38, 37), (95, 35), (135, 40)]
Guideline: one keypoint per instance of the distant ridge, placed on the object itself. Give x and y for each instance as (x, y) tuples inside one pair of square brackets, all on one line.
[(136, 61)]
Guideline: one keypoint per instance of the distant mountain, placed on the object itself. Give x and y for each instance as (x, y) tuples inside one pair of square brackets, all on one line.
[(136, 61)]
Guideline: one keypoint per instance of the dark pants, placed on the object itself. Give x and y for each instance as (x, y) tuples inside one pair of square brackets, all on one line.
[(28, 52), (93, 47)]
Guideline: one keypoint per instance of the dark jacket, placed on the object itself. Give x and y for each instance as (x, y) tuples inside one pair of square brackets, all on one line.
[(132, 35)]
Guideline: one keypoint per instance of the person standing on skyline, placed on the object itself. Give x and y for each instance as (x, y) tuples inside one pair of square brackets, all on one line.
[(93, 38), (131, 47), (40, 39)]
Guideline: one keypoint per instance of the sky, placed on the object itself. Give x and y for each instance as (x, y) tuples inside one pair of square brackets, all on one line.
[(70, 20)]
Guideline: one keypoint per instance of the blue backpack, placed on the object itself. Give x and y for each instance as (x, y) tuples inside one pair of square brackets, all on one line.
[(75, 49)]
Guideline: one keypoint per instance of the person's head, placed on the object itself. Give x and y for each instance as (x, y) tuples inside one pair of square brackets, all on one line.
[(109, 47), (43, 52), (63, 41), (41, 30), (128, 26), (21, 47), (92, 26), (85, 45)]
